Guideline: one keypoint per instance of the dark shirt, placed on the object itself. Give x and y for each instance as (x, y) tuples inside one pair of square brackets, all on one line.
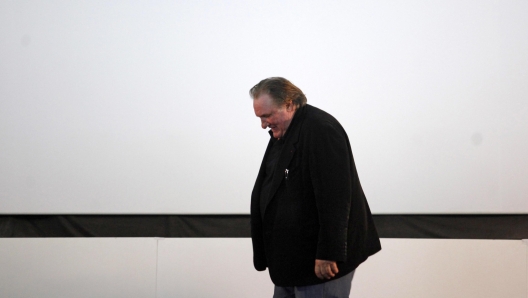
[(271, 162)]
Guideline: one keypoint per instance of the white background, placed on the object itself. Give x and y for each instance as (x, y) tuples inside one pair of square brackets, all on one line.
[(143, 106)]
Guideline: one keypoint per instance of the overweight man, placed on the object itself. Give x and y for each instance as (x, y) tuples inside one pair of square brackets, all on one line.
[(311, 225)]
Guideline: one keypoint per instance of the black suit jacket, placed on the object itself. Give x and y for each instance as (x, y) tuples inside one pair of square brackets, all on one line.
[(317, 210)]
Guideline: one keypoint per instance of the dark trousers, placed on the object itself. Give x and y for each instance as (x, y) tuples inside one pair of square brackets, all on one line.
[(337, 288)]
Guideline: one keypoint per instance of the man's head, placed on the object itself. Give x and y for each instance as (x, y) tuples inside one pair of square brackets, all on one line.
[(275, 101)]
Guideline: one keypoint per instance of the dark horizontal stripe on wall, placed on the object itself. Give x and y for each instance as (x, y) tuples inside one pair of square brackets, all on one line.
[(490, 226)]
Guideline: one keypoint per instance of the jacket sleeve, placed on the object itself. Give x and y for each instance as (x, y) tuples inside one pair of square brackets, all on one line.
[(329, 168)]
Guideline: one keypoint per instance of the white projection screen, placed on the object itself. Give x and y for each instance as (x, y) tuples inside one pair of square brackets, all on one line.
[(142, 107)]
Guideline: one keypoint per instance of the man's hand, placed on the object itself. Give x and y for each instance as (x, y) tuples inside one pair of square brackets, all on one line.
[(325, 269)]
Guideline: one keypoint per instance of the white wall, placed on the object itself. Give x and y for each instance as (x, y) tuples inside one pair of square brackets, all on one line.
[(142, 106), (221, 267)]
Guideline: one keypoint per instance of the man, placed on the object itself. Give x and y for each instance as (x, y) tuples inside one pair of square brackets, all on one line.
[(310, 222)]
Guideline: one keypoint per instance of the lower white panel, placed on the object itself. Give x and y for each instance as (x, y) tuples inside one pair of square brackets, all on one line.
[(210, 267), (444, 268), (77, 267), (222, 267)]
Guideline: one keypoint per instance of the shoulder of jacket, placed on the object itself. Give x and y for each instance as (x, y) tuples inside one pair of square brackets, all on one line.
[(317, 119)]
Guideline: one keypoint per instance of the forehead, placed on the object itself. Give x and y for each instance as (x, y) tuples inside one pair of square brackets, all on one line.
[(264, 105)]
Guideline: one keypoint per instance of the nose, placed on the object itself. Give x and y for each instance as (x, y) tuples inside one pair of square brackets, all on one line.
[(263, 123)]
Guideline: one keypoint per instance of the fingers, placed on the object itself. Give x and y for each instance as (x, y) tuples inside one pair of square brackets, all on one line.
[(325, 269), (333, 267), (319, 273)]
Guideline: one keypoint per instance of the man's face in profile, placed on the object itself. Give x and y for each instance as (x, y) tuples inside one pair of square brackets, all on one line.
[(271, 115)]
